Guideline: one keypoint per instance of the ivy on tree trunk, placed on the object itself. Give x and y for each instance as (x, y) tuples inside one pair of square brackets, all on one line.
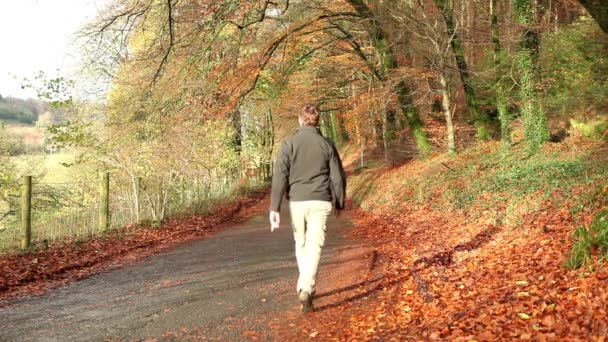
[(501, 99), (536, 130)]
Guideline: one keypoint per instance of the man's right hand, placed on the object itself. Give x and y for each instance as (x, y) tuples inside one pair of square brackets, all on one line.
[(275, 220)]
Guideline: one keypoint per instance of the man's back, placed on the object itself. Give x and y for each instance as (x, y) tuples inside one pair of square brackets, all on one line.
[(308, 168)]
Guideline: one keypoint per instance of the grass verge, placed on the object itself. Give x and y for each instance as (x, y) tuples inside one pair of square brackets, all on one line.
[(490, 185)]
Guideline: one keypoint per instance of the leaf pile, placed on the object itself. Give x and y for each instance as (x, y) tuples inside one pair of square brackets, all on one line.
[(37, 272)]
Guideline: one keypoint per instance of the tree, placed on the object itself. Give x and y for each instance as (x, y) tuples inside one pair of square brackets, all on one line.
[(8, 183), (499, 59), (446, 7), (388, 62), (536, 130), (598, 9), (230, 42)]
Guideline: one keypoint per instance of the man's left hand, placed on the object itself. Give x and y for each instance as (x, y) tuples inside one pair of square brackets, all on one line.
[(275, 220)]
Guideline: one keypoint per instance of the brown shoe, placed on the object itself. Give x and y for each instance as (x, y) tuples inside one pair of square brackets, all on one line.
[(306, 300)]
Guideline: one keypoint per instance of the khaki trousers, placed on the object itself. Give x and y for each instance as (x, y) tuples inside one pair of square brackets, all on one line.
[(309, 221)]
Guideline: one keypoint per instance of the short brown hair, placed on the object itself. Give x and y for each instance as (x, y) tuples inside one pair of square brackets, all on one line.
[(309, 115)]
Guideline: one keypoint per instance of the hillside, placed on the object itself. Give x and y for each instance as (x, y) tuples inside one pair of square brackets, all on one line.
[(19, 111), (478, 247)]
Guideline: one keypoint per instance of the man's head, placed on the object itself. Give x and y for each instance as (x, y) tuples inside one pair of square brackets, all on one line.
[(309, 115)]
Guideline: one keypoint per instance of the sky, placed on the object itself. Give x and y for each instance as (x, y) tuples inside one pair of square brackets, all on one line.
[(36, 35)]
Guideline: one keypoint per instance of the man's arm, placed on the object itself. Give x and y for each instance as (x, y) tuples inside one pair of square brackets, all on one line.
[(280, 177), (338, 178)]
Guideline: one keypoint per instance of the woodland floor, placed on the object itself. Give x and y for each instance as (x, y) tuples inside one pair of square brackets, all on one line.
[(441, 279), (444, 275)]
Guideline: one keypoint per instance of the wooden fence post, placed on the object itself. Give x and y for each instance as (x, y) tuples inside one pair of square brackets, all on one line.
[(183, 197), (104, 206), (138, 200), (26, 212)]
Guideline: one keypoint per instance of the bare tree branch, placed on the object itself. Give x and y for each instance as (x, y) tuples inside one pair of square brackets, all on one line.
[(171, 40)]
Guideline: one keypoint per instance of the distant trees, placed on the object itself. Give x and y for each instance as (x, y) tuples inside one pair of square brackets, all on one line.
[(8, 184), (388, 62), (18, 110), (446, 7), (27, 122)]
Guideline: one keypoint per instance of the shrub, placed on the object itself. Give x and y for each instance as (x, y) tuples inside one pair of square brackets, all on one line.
[(587, 240), (575, 68), (595, 129), (580, 254)]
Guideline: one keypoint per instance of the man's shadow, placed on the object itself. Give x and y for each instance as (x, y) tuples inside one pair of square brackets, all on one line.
[(443, 258)]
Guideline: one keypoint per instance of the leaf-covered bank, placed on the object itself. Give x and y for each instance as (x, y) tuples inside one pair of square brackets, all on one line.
[(473, 248)]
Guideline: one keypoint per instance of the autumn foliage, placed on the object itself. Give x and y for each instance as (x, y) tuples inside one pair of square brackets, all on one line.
[(469, 245)]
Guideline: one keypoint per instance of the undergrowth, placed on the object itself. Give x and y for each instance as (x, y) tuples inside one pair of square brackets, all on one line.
[(483, 178), (513, 184), (590, 242), (506, 188)]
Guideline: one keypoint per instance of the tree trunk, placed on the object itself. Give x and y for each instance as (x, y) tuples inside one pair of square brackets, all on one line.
[(598, 9), (413, 119), (235, 116), (235, 120), (361, 138), (104, 205), (481, 122), (536, 130), (343, 133), (325, 126), (136, 182), (268, 144), (374, 127), (335, 129), (446, 104), (388, 62), (385, 136), (501, 100)]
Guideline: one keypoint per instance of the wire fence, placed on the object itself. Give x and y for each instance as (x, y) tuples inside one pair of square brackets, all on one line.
[(62, 210)]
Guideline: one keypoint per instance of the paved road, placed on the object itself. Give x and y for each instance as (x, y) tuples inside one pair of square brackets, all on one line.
[(209, 287)]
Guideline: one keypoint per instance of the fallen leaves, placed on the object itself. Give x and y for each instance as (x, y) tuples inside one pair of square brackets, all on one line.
[(447, 276), (523, 316)]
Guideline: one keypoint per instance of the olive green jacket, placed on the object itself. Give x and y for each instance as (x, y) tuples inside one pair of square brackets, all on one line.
[(308, 167)]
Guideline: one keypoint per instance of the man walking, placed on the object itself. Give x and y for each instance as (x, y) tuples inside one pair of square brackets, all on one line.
[(308, 168)]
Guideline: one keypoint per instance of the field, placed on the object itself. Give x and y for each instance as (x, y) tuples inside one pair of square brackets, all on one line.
[(50, 178), (47, 168)]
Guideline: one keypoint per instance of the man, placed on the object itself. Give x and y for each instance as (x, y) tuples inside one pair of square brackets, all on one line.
[(308, 168)]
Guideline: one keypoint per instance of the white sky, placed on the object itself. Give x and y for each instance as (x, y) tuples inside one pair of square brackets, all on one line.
[(36, 35)]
